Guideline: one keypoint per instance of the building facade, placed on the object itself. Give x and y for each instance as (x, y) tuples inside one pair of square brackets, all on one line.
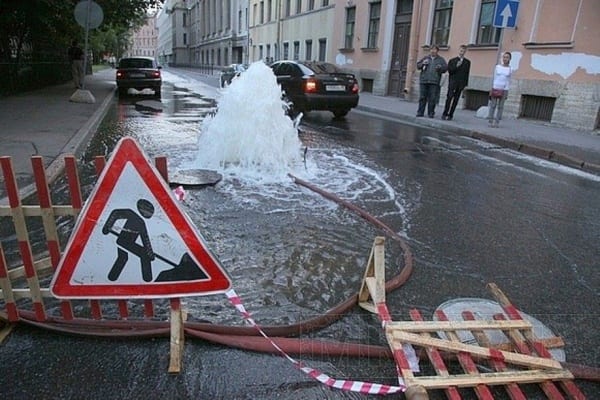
[(144, 41), (555, 56), (291, 30)]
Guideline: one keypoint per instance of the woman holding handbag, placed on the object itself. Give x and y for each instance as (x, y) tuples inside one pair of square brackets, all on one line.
[(499, 92)]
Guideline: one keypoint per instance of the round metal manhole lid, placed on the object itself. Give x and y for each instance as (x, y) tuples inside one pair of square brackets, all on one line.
[(191, 178), (484, 309)]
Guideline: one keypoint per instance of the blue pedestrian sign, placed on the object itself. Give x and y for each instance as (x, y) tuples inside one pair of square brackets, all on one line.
[(505, 14)]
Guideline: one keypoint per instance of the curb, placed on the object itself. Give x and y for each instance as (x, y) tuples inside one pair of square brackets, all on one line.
[(528, 149)]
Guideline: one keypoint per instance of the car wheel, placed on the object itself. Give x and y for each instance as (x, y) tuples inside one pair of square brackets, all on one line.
[(157, 92), (122, 92), (340, 113)]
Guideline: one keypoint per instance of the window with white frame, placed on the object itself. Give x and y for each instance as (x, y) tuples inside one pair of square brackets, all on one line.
[(322, 49), (296, 51), (441, 22), (269, 8), (374, 19), (262, 12), (487, 33), (350, 21), (308, 50), (311, 5), (286, 51), (298, 6)]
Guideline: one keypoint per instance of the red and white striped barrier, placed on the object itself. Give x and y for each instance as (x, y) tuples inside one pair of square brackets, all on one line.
[(353, 386)]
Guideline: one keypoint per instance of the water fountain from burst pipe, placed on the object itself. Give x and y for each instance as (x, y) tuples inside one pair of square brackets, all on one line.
[(250, 133)]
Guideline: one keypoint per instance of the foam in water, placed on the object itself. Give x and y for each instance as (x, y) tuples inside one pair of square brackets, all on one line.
[(250, 135)]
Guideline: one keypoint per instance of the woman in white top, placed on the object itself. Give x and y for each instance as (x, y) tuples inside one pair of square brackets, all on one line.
[(501, 81)]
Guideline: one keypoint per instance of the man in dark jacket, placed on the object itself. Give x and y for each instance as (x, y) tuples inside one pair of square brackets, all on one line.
[(432, 67), (76, 58), (458, 69)]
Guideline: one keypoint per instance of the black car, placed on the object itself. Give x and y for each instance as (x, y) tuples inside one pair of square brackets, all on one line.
[(230, 72), (316, 85), (138, 73)]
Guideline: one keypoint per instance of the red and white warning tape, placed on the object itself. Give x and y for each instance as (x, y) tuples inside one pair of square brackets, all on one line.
[(354, 386)]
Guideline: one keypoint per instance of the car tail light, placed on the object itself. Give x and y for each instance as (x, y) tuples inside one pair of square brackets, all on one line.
[(310, 86), (156, 74), (355, 88), (120, 74)]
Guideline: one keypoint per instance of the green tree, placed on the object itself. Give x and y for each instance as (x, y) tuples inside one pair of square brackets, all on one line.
[(34, 36)]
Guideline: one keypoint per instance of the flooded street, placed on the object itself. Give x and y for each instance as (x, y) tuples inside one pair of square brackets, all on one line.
[(472, 214)]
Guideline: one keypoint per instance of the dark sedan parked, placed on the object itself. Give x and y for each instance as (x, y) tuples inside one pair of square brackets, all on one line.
[(315, 85), (138, 73)]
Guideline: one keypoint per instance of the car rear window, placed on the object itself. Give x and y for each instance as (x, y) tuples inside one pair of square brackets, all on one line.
[(323, 68), (136, 63)]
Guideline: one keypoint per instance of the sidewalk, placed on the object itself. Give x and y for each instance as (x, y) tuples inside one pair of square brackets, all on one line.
[(46, 123), (566, 146)]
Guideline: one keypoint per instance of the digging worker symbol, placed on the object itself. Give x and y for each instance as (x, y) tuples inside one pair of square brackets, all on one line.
[(126, 239)]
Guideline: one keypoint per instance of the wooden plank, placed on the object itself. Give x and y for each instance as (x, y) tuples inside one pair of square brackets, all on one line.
[(35, 211), (491, 378), (6, 289), (435, 326), (177, 337), (49, 223), (22, 237), (398, 337), (466, 362), (5, 330), (375, 270), (436, 359), (513, 390)]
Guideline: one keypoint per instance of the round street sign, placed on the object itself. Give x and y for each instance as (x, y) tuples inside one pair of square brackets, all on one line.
[(88, 14)]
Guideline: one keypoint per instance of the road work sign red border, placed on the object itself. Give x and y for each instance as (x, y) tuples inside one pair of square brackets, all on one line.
[(132, 240)]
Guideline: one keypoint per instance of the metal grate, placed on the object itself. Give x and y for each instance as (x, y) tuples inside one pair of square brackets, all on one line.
[(537, 107), (475, 99)]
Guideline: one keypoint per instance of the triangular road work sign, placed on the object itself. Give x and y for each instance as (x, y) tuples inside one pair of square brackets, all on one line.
[(132, 239)]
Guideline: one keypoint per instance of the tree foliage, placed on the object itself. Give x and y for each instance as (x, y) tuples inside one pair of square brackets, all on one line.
[(39, 31)]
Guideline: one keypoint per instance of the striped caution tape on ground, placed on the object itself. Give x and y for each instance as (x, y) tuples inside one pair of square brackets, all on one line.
[(354, 386)]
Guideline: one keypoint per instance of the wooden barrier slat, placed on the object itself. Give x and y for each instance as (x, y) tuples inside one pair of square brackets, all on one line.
[(7, 290), (513, 358), (569, 387), (513, 390), (22, 237), (491, 378), (465, 360), (35, 211), (435, 326), (436, 358), (49, 222)]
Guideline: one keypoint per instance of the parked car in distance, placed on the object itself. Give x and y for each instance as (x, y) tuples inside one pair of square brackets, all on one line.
[(138, 73), (316, 85), (231, 71)]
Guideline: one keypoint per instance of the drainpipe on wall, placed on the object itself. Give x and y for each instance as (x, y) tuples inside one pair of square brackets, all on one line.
[(413, 47)]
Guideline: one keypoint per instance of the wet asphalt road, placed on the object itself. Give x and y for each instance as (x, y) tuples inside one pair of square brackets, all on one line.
[(471, 213)]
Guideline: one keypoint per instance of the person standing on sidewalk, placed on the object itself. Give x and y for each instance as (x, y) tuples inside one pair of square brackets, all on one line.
[(76, 58), (432, 67), (459, 69), (499, 92)]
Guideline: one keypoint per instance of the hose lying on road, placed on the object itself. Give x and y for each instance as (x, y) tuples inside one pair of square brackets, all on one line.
[(247, 337)]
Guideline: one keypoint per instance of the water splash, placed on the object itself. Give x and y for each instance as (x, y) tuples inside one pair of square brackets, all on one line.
[(251, 136)]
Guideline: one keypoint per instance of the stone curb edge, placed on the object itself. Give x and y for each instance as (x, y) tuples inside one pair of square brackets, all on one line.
[(528, 149)]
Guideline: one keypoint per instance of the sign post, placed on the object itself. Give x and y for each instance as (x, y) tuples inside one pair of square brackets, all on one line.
[(89, 15), (505, 16)]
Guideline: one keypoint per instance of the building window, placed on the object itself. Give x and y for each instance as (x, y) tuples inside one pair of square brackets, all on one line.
[(350, 20), (254, 14), (240, 21), (269, 7), (487, 34), (262, 12), (184, 19), (311, 5), (269, 53), (288, 7), (404, 7), (296, 51), (260, 52), (441, 22), (322, 49), (324, 3), (298, 6), (286, 50), (184, 39), (374, 17), (308, 50)]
